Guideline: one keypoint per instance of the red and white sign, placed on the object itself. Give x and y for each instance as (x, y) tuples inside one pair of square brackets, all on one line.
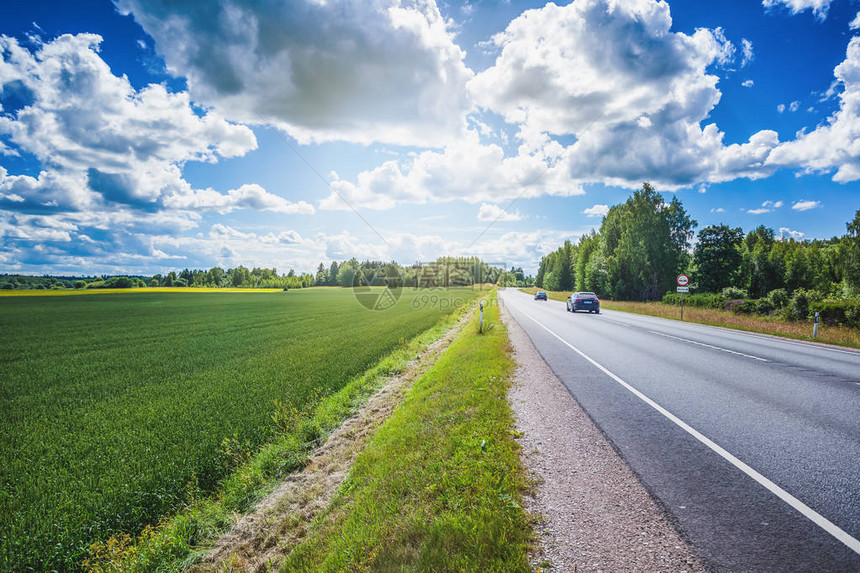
[(683, 280)]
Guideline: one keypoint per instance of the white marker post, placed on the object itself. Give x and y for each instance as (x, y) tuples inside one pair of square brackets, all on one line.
[(683, 286), (481, 320)]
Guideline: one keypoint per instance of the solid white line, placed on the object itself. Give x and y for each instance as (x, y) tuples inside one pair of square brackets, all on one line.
[(804, 509), (709, 346)]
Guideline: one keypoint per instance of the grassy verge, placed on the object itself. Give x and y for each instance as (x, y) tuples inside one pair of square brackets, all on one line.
[(797, 329), (172, 544), (437, 488)]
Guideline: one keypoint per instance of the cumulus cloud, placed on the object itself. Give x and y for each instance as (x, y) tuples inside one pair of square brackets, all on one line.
[(249, 196), (102, 143), (748, 83), (636, 99), (382, 70), (490, 212), (747, 53), (855, 23), (786, 233), (819, 7), (834, 145), (467, 170), (597, 211), (803, 205)]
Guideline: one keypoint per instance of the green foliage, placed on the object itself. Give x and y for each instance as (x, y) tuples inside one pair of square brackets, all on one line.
[(733, 292), (798, 306), (637, 254), (439, 485), (705, 300), (717, 257), (838, 312), (112, 405), (778, 298)]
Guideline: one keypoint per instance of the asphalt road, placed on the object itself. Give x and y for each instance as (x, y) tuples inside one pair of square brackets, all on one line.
[(750, 442)]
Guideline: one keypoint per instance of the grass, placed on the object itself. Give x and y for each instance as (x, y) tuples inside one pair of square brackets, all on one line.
[(187, 290), (797, 329), (119, 410), (438, 486)]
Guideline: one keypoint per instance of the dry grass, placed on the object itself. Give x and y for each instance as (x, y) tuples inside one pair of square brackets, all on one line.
[(801, 330)]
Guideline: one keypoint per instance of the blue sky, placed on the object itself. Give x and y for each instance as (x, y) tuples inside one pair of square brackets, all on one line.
[(139, 136)]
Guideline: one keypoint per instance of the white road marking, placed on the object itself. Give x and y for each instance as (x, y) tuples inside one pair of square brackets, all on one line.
[(709, 346), (801, 507)]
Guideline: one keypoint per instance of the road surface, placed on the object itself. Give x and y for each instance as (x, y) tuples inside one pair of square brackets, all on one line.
[(751, 443)]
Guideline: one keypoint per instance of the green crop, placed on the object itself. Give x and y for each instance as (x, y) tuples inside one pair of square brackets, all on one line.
[(119, 409)]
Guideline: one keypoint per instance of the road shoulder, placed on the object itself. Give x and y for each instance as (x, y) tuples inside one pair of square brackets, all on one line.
[(596, 515)]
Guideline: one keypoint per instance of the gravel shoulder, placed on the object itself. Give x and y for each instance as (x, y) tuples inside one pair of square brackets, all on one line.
[(594, 514)]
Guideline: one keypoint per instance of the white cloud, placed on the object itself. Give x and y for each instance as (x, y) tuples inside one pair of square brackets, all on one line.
[(773, 204), (636, 99), (805, 205), (747, 53), (748, 83), (718, 210), (597, 211), (785, 232), (780, 108), (490, 212), (249, 196), (819, 7), (465, 170), (793, 106), (382, 70), (759, 211), (855, 23), (834, 145), (102, 143)]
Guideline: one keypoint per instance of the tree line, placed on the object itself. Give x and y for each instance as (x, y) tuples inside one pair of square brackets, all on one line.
[(443, 272), (644, 243)]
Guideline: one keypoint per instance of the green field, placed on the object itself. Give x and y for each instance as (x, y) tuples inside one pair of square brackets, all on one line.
[(115, 406)]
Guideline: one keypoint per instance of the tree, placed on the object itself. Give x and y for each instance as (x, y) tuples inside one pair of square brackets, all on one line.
[(851, 255), (332, 274), (717, 257), (322, 276), (644, 244)]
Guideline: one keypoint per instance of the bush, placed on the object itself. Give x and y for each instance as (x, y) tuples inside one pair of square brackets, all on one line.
[(764, 306), (734, 293), (837, 312), (778, 297), (798, 306), (744, 306), (80, 284)]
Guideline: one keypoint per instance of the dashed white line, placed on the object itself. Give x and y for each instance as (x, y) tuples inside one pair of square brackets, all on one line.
[(709, 346), (798, 505)]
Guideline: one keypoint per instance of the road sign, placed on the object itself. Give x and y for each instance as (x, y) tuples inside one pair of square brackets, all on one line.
[(683, 289), (683, 280)]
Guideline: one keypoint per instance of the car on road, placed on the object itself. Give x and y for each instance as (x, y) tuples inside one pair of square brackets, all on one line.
[(540, 295), (583, 301)]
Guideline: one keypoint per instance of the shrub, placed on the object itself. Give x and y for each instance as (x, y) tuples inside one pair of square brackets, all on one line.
[(778, 297), (837, 312), (798, 306), (731, 292), (733, 304), (764, 306), (744, 306)]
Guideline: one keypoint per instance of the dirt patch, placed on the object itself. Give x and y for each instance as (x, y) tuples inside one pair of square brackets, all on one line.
[(260, 539), (594, 514)]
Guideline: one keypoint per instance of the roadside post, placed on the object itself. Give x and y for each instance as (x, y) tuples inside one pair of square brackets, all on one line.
[(815, 327), (481, 320), (683, 287)]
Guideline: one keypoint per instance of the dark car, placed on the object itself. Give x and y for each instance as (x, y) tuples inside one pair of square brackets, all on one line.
[(583, 301), (540, 295)]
